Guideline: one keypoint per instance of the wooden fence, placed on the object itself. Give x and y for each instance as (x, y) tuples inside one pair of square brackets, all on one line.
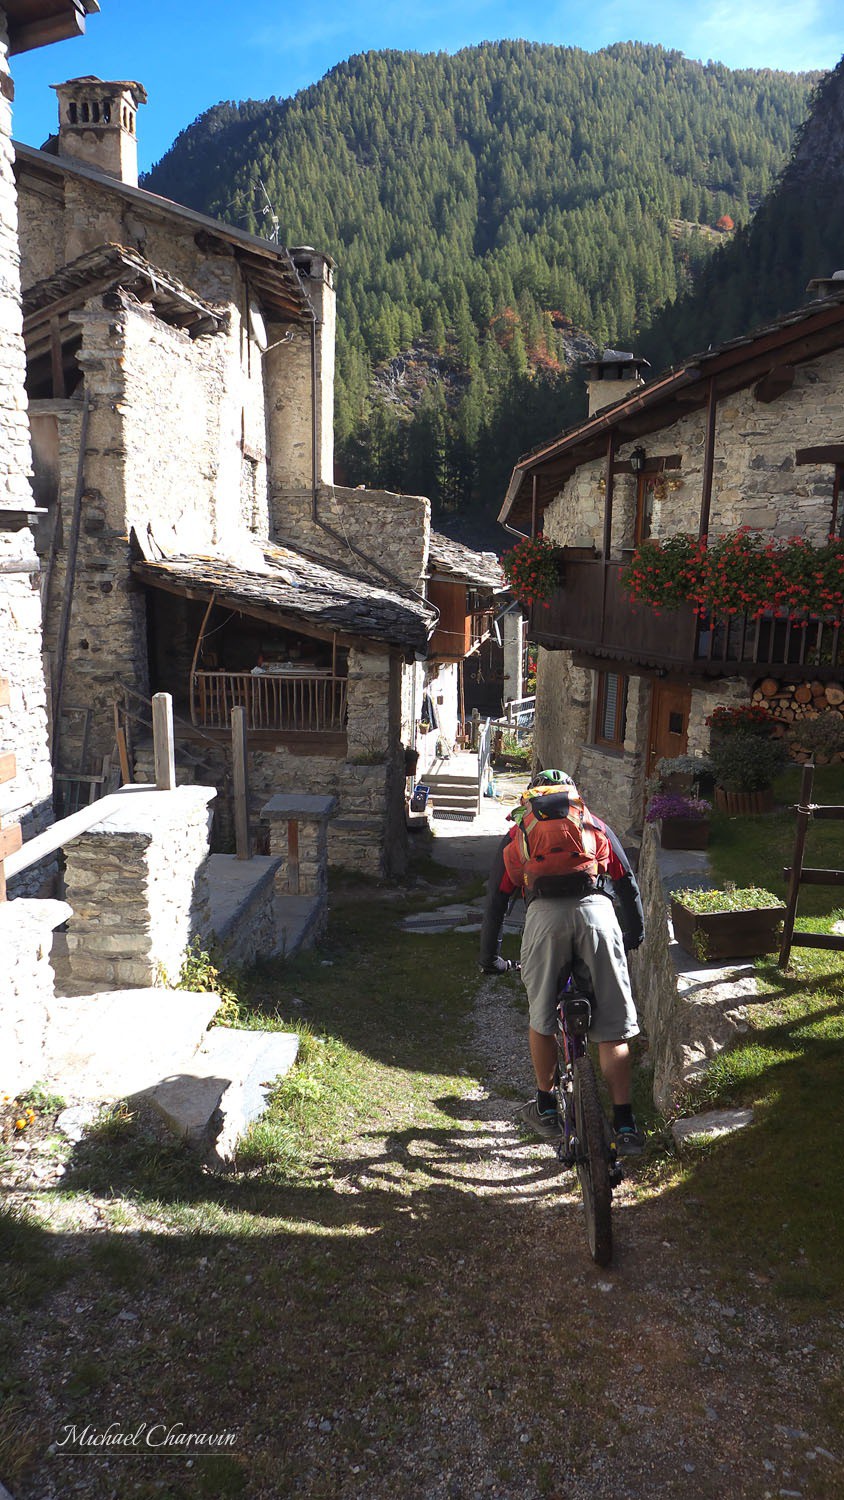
[(309, 704)]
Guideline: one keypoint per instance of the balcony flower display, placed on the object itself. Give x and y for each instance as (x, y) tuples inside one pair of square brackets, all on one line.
[(743, 573), (532, 569), (684, 821)]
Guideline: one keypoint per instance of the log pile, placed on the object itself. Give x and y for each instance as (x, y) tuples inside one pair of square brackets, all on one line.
[(794, 703)]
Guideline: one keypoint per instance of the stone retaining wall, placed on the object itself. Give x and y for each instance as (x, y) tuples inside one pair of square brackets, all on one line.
[(137, 883), (26, 988)]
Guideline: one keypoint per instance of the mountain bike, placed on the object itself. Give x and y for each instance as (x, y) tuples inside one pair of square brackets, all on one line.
[(586, 1142)]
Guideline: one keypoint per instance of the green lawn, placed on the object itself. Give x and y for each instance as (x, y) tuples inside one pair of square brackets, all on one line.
[(772, 1195)]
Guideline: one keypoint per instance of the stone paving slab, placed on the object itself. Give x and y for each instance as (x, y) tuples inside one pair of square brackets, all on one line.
[(710, 1124), (108, 1045), (223, 1088)]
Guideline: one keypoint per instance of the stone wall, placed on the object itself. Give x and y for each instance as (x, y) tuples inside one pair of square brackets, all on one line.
[(138, 888), (376, 534), (688, 1012), (23, 724), (26, 988)]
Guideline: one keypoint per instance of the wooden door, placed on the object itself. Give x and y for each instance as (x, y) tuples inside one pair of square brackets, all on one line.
[(669, 727)]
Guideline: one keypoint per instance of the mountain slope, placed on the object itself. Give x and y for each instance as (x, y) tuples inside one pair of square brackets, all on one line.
[(485, 209), (797, 233)]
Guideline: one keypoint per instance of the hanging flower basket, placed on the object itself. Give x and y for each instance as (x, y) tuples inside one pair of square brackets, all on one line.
[(743, 573), (533, 569)]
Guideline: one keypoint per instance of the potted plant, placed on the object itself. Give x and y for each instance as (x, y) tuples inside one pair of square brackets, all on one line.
[(745, 766), (690, 775), (684, 821), (742, 922)]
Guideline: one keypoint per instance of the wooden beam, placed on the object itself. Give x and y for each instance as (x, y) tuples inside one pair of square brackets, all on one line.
[(4, 692), (827, 453), (775, 384), (11, 840), (8, 766), (816, 877)]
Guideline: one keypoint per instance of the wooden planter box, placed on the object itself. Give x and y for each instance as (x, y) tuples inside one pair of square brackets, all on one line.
[(684, 833), (711, 936), (744, 804)]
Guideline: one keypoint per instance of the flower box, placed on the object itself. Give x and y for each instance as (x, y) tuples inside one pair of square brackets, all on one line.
[(684, 833), (712, 936)]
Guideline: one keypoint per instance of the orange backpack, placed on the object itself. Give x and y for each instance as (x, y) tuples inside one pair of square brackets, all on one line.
[(556, 840)]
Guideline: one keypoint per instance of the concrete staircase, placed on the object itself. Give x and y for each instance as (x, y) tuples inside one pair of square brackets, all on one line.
[(454, 793)]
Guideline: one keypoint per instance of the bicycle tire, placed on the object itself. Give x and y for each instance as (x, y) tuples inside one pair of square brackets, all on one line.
[(593, 1168)]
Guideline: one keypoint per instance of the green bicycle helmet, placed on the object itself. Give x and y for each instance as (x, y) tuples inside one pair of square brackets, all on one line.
[(550, 778)]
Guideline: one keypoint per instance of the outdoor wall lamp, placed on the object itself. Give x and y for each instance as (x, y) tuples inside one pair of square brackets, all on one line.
[(637, 460)]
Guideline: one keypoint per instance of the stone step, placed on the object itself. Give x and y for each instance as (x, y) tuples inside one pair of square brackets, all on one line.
[(113, 1044), (461, 782), (218, 1093)]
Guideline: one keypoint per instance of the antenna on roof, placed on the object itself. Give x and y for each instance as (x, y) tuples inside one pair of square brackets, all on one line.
[(269, 212)]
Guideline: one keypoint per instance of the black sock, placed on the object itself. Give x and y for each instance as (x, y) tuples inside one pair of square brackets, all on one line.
[(545, 1101), (622, 1114)]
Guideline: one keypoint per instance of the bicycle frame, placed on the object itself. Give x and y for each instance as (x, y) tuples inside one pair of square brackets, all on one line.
[(585, 1141)]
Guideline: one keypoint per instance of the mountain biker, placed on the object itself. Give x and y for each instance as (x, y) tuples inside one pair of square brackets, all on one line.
[(570, 920)]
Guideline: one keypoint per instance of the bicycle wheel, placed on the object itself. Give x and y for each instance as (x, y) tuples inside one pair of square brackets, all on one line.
[(593, 1162)]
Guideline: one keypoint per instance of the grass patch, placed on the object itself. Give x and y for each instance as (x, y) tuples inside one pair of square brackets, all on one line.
[(771, 1193)]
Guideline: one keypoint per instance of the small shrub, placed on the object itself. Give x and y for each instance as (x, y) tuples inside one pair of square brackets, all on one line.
[(747, 762), (200, 972), (824, 734)]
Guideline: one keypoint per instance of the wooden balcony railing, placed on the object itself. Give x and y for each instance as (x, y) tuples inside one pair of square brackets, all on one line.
[(308, 704), (591, 613)]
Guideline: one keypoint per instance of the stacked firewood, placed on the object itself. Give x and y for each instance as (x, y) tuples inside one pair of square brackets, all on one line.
[(794, 704)]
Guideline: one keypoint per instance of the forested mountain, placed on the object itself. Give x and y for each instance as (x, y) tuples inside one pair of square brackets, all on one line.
[(797, 233), (489, 211)]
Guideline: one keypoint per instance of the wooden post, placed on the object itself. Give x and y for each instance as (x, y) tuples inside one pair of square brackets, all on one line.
[(163, 741), (240, 778), (708, 461), (804, 813), (293, 857)]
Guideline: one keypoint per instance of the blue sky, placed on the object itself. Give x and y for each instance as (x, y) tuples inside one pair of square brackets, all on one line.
[(190, 55)]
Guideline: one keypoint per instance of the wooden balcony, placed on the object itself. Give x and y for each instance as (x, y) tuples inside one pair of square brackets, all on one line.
[(312, 703), (590, 613)]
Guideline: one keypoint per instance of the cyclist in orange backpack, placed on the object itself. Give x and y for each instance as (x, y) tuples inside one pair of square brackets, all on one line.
[(557, 854)]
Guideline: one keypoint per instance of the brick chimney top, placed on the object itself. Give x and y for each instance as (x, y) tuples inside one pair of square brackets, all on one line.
[(97, 124)]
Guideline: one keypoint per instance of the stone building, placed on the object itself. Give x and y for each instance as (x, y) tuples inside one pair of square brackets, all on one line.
[(25, 795), (180, 375), (748, 434)]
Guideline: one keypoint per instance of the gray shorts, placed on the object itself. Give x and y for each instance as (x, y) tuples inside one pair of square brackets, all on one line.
[(557, 928)]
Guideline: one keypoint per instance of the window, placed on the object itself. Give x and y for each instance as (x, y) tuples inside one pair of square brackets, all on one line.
[(611, 717), (644, 507)]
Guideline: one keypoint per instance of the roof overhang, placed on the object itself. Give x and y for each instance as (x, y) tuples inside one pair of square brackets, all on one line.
[(38, 23), (803, 335)]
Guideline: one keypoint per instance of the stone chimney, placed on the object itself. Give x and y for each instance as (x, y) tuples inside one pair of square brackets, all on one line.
[(97, 124), (611, 377), (826, 286)]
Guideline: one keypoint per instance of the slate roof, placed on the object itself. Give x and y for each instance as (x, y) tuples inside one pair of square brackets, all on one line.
[(479, 568), (296, 588)]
